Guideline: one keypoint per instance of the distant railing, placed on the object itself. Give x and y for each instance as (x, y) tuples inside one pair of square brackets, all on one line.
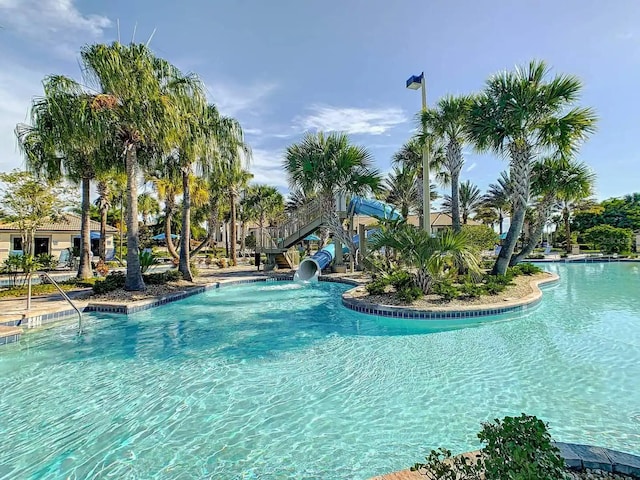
[(298, 219)]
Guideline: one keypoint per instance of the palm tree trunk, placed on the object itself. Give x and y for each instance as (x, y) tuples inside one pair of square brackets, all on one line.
[(103, 191), (84, 268), (185, 241), (455, 201), (520, 175), (567, 227), (134, 279), (544, 212), (232, 239), (168, 218), (501, 221), (243, 236)]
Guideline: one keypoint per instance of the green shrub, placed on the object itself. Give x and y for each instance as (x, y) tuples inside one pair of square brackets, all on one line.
[(409, 294), (162, 278), (111, 282), (610, 239), (172, 275), (147, 260), (529, 269), (401, 279), (493, 286), (446, 290), (195, 271), (536, 256), (46, 261), (378, 286), (472, 290), (482, 237), (517, 448)]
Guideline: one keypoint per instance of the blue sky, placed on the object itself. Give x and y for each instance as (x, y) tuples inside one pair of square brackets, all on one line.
[(284, 66)]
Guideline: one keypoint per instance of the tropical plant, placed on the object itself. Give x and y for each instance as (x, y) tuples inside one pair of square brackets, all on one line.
[(401, 190), (520, 114), (469, 201), (265, 202), (481, 237), (328, 165), (448, 121), (610, 239), (145, 96), (148, 206), (109, 186), (553, 181), (68, 138), (431, 257), (498, 198)]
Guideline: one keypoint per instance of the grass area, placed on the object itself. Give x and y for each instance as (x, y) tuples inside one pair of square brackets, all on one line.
[(45, 288)]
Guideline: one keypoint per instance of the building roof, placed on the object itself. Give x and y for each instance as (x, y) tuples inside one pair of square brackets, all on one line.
[(69, 222)]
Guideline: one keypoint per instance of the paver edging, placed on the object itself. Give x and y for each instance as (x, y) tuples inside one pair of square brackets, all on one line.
[(449, 313), (577, 458)]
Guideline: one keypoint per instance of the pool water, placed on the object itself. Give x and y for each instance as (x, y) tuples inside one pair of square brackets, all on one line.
[(275, 380)]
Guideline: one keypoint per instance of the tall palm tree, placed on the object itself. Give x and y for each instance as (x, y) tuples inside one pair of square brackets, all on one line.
[(145, 95), (448, 121), (167, 183), (265, 202), (149, 206), (67, 138), (401, 190), (409, 157), (556, 180), (328, 165), (498, 198), (296, 199), (110, 182), (470, 199), (520, 114), (235, 180)]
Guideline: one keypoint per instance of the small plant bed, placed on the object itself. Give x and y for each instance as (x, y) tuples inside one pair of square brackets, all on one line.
[(41, 289), (111, 288), (513, 448), (397, 289)]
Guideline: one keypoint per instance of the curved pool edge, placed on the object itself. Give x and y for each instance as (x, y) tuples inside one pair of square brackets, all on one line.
[(577, 458), (519, 305)]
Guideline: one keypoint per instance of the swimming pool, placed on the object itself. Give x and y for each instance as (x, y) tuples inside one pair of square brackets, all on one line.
[(274, 380)]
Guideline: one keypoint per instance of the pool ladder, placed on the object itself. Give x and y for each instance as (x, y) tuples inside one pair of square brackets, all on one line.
[(66, 297)]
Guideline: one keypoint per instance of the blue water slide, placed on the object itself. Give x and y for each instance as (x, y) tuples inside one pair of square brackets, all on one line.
[(311, 267)]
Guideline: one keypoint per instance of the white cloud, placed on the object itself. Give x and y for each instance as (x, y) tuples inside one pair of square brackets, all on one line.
[(472, 166), (266, 167), (17, 87), (56, 22), (232, 100), (351, 120)]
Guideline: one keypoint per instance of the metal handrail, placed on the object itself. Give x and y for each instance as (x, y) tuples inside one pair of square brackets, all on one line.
[(66, 297)]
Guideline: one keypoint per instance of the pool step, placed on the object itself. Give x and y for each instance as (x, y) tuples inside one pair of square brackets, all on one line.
[(9, 334)]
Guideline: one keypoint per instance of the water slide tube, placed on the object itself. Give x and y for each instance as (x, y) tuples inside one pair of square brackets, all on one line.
[(311, 267)]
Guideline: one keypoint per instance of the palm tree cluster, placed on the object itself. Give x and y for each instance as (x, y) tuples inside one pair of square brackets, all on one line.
[(136, 116), (526, 116)]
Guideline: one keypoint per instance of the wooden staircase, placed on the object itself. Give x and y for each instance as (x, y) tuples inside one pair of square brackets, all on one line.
[(283, 262)]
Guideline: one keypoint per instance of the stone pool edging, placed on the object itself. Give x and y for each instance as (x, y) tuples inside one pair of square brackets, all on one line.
[(577, 458), (449, 313)]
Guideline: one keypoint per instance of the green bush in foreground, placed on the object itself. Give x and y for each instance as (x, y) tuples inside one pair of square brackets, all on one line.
[(115, 280), (516, 448)]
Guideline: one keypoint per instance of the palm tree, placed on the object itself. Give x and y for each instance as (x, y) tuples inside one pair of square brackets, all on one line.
[(296, 199), (409, 157), (166, 181), (431, 257), (520, 114), (145, 96), (328, 165), (401, 190), (149, 206), (235, 180), (470, 199), (554, 180), (498, 198), (109, 183), (448, 121), (67, 138), (265, 202)]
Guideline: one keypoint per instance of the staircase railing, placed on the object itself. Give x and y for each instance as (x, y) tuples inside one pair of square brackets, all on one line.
[(300, 218), (66, 297)]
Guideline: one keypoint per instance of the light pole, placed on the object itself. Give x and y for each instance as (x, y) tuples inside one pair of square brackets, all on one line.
[(415, 82)]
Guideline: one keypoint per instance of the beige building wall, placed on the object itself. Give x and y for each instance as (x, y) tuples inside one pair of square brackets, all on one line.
[(58, 241)]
